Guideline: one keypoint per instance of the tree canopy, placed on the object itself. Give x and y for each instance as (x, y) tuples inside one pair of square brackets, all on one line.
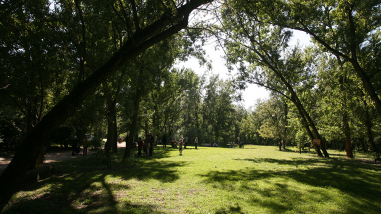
[(107, 68)]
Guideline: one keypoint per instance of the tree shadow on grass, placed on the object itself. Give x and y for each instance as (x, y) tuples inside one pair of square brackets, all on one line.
[(358, 183), (76, 188), (231, 209), (79, 193)]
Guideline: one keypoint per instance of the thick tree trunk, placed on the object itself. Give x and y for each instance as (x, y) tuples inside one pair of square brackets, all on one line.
[(306, 126), (315, 131), (346, 128), (368, 125), (111, 130), (115, 132), (25, 157), (348, 144), (134, 121), (111, 143)]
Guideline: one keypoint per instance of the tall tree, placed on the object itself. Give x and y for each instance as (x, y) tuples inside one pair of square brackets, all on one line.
[(264, 47), (346, 29), (168, 20)]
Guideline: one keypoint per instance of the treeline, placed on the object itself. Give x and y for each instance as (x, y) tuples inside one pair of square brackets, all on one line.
[(107, 68)]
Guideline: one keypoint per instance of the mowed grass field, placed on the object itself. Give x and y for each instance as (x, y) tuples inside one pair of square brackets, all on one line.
[(256, 179)]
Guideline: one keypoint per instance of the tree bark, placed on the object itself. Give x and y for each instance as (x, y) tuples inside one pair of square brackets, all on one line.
[(346, 128), (111, 121), (368, 125), (24, 158), (285, 125), (134, 121), (308, 130)]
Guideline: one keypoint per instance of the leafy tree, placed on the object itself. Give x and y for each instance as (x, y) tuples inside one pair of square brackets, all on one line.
[(346, 29), (274, 66), (218, 111), (167, 19)]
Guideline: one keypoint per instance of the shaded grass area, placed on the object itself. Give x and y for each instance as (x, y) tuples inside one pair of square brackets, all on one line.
[(256, 179)]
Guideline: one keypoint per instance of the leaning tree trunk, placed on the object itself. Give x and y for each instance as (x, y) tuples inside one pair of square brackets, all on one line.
[(25, 157), (306, 126), (296, 101)]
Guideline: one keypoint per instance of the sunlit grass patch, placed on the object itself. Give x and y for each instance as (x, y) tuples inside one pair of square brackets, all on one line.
[(257, 179)]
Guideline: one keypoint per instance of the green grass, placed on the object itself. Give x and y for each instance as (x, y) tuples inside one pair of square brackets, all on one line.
[(257, 179)]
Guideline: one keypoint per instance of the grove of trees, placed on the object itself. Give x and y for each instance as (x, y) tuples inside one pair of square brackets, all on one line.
[(108, 68)]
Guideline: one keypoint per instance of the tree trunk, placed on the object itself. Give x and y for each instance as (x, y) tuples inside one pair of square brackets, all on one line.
[(114, 143), (111, 143), (348, 144), (306, 126), (112, 135), (25, 157), (368, 125), (346, 128), (134, 121), (285, 125)]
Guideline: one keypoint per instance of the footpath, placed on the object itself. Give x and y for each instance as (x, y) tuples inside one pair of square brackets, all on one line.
[(52, 156)]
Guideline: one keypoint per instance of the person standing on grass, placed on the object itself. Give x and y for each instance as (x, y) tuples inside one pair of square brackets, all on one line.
[(195, 143), (140, 146), (181, 146)]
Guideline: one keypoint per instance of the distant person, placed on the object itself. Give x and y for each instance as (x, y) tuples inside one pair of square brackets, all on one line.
[(140, 146), (181, 143), (185, 141), (195, 143), (165, 141), (215, 145)]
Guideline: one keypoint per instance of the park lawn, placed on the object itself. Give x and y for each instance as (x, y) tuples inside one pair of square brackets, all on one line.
[(256, 179)]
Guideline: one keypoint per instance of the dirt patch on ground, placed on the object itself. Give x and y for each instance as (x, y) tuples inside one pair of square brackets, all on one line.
[(52, 155)]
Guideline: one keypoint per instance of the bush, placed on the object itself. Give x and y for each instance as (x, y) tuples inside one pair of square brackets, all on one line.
[(96, 142)]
